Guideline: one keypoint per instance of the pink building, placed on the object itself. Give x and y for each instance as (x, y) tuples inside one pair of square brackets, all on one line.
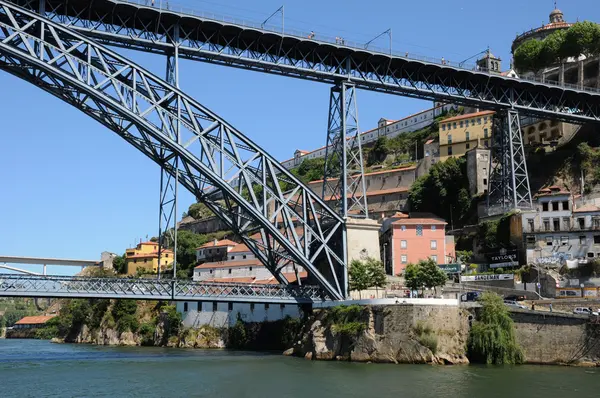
[(407, 240)]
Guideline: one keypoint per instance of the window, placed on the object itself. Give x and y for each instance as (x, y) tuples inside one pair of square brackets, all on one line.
[(548, 241), (403, 244), (485, 181), (581, 222), (555, 206), (530, 240), (485, 133), (232, 257), (433, 245), (596, 239), (403, 228), (244, 256), (467, 136), (582, 240), (209, 251), (486, 143), (461, 124), (185, 307), (403, 259), (545, 206), (229, 271), (473, 122), (565, 205), (434, 258), (564, 240), (251, 307), (454, 125), (443, 127), (555, 224), (266, 306), (449, 151), (215, 307), (596, 223), (250, 269), (467, 146), (530, 225), (433, 227), (199, 306), (230, 307), (419, 230), (478, 120), (210, 271), (567, 223), (590, 255), (449, 138)]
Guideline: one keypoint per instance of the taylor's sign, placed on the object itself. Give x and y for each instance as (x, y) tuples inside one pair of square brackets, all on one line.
[(485, 278), (503, 258)]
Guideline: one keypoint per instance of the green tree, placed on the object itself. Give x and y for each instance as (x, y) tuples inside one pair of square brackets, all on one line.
[(582, 38), (377, 277), (553, 48), (120, 264), (527, 55), (199, 211), (359, 276), (424, 274), (124, 314), (492, 338)]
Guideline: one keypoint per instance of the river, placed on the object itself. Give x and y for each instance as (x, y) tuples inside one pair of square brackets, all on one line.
[(32, 368)]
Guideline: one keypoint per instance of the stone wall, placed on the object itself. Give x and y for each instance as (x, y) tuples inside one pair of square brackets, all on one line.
[(549, 338)]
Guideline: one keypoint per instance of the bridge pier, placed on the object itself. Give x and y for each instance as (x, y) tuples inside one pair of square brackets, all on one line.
[(509, 180)]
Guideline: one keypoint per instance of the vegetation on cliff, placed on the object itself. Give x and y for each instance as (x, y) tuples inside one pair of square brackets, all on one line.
[(263, 336), (492, 337), (348, 320), (13, 309), (581, 38)]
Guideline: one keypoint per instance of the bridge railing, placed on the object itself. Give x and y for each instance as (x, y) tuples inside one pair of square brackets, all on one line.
[(152, 289), (338, 41)]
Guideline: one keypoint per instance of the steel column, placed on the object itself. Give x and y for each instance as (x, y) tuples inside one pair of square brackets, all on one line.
[(509, 180), (168, 183), (343, 181)]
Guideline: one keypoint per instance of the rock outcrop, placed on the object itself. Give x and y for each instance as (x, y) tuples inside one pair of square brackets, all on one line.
[(391, 334)]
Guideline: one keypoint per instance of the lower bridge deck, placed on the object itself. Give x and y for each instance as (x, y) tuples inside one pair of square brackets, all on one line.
[(154, 289)]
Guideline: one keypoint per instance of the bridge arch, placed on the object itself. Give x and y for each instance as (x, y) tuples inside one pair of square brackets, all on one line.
[(280, 220)]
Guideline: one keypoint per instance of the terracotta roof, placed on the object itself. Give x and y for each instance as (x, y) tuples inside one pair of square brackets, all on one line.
[(290, 276), (467, 116), (240, 248), (34, 320), (253, 262), (587, 209), (429, 141), (149, 255), (552, 191), (422, 221), (241, 279), (220, 243), (149, 243)]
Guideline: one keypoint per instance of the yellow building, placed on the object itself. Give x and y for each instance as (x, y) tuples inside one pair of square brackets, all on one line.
[(464, 132), (145, 256)]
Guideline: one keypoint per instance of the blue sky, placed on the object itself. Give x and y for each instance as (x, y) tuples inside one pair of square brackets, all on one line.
[(70, 188)]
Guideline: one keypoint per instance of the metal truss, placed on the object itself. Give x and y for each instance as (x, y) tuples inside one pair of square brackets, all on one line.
[(152, 289), (138, 27), (509, 180), (275, 215), (343, 179)]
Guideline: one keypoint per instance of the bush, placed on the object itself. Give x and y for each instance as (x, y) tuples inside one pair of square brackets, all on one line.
[(430, 341), (237, 335), (146, 332), (128, 323), (47, 333), (492, 338), (347, 320)]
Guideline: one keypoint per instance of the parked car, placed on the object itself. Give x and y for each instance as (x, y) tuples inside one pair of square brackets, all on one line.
[(470, 296), (515, 297), (514, 304), (584, 311)]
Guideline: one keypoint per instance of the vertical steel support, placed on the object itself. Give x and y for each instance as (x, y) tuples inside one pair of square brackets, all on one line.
[(167, 223), (509, 180), (343, 182)]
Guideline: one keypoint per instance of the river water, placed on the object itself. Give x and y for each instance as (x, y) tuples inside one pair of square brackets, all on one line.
[(31, 368)]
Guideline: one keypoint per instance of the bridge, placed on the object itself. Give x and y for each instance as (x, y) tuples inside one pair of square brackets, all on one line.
[(44, 262), (60, 46), (153, 289)]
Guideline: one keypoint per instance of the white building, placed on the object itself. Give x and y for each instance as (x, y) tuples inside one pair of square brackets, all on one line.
[(385, 128), (214, 251)]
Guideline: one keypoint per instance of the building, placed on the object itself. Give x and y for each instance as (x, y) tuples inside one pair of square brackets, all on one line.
[(214, 251), (550, 133), (478, 165), (385, 128), (408, 239), (387, 190), (144, 257), (556, 230), (32, 322), (464, 132)]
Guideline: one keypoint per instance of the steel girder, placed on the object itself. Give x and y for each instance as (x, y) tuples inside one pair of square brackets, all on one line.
[(279, 226), (343, 178), (152, 289), (145, 28), (509, 179)]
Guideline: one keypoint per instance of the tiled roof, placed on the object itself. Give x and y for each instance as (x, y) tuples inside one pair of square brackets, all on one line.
[(149, 243), (241, 279), (587, 209), (34, 320), (253, 262), (290, 276), (149, 255), (420, 221), (240, 248), (221, 243), (467, 116)]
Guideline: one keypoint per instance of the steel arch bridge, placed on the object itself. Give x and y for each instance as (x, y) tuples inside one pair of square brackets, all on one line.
[(277, 217)]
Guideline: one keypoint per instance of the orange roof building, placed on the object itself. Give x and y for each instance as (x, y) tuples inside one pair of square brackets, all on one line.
[(144, 259), (31, 322)]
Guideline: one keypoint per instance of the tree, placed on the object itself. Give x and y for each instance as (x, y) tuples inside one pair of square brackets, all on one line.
[(527, 55), (552, 49), (120, 264), (199, 211), (492, 338), (581, 38), (359, 276), (377, 277), (424, 274)]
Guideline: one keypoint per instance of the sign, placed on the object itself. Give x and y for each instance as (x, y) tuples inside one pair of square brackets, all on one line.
[(485, 278), (503, 258), (450, 268)]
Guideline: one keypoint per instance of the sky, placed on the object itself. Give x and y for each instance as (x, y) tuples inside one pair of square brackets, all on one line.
[(70, 188)]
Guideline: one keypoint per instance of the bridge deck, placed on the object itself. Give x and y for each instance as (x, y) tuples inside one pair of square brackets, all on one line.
[(152, 289), (142, 27)]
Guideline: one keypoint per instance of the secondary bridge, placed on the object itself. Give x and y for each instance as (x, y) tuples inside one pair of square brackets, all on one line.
[(138, 25), (153, 289)]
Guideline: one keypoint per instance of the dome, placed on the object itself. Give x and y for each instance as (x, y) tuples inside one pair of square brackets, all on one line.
[(556, 11), (556, 16)]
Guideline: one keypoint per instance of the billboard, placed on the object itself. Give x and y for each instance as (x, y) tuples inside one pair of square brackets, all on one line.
[(485, 278), (450, 268), (503, 258)]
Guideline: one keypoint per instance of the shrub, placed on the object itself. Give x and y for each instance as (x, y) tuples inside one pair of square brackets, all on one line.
[(237, 335), (429, 340), (347, 320), (146, 332)]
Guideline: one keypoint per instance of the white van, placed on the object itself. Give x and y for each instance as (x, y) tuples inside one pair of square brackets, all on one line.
[(584, 311)]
